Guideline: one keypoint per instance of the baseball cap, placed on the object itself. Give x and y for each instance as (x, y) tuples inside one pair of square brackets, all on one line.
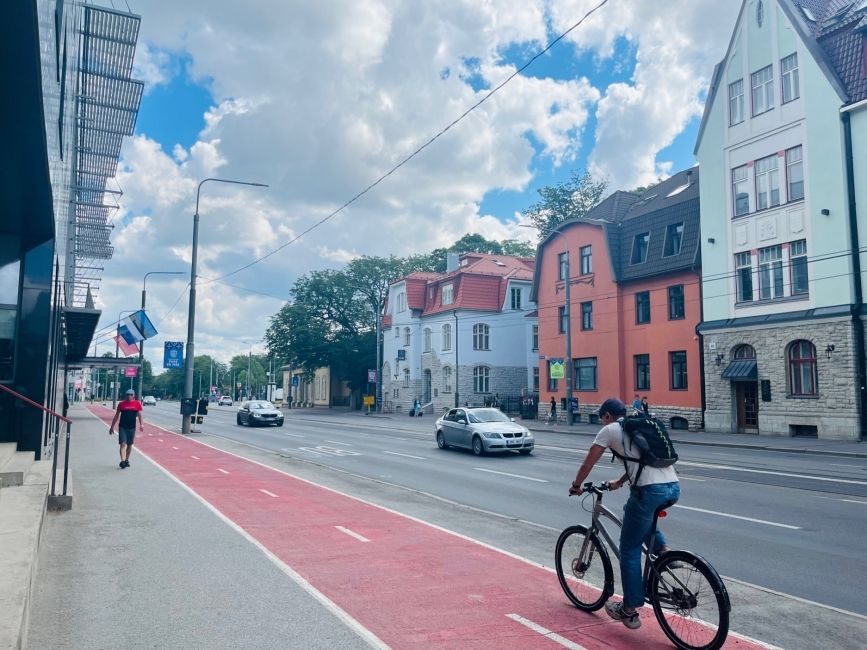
[(613, 406), (130, 392)]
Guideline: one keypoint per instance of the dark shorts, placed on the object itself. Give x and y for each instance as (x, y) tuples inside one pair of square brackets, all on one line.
[(126, 436)]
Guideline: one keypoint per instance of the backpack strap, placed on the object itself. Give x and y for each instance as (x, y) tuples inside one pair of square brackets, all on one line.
[(627, 459)]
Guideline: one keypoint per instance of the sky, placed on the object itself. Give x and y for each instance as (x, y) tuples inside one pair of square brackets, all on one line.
[(319, 99)]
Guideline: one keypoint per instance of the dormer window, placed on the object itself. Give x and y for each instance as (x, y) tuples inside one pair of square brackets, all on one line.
[(673, 239), (448, 294), (639, 248)]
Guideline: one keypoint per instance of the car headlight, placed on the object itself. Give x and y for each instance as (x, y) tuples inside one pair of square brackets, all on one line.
[(491, 434), (257, 415), (528, 434)]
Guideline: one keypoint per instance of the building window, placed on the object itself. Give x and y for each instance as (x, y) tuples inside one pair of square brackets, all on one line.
[(448, 294), (482, 379), (586, 315), (447, 337), (744, 271), (586, 260), (673, 239), (802, 369), (397, 332), (516, 298), (562, 319), (798, 255), (771, 272), (795, 173), (406, 377), (447, 379), (763, 90), (406, 336), (535, 338), (401, 302), (427, 341), (740, 190), (789, 72), (642, 307), (677, 361), (639, 248), (585, 373), (744, 352), (536, 379), (481, 337), (563, 262), (642, 372), (767, 183), (736, 102), (676, 306)]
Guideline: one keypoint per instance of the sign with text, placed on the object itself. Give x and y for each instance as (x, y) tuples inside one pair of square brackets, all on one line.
[(369, 400), (371, 376), (556, 369), (173, 354), (132, 371)]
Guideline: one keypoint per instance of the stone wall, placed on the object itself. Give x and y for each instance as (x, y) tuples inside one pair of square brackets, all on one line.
[(834, 411), (665, 414)]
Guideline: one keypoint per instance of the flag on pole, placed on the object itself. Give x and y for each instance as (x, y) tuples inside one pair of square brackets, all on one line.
[(136, 327), (127, 348)]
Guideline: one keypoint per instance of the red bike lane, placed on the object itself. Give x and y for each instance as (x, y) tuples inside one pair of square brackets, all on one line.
[(409, 583)]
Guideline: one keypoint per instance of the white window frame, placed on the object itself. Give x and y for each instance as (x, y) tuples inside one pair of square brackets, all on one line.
[(481, 379), (406, 377), (401, 302), (791, 86), (767, 172), (406, 337), (771, 278), (740, 178), (736, 102), (447, 337), (744, 260), (646, 237), (447, 379), (797, 264), (585, 254), (516, 295), (794, 168), (427, 339), (535, 341), (562, 263), (675, 229), (762, 84), (448, 296), (481, 336)]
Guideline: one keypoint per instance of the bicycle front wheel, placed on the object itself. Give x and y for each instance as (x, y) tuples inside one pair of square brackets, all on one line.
[(584, 568), (690, 601)]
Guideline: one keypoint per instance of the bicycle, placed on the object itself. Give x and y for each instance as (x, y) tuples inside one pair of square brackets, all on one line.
[(688, 596)]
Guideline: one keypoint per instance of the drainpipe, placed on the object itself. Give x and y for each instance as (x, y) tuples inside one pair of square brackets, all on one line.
[(855, 247)]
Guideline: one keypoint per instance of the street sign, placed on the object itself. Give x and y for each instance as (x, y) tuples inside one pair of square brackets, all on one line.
[(368, 400), (295, 380), (131, 371), (173, 354), (371, 376), (556, 369)]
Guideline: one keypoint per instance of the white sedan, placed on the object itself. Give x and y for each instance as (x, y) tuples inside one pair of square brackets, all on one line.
[(483, 430), (149, 400)]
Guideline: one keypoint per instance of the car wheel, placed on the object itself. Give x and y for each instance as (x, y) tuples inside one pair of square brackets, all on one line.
[(525, 452), (441, 440), (238, 419), (478, 447), (279, 424)]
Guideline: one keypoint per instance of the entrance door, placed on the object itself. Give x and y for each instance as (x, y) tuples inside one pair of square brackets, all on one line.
[(427, 387), (747, 399)]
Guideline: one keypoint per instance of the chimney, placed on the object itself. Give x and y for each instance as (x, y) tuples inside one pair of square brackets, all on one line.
[(451, 262)]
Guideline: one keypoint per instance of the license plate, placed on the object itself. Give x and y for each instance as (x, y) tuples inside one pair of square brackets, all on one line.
[(513, 443)]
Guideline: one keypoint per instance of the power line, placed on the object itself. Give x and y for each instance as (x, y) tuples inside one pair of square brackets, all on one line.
[(417, 151)]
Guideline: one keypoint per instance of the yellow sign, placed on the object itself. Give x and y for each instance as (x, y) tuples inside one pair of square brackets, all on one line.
[(369, 400), (556, 370)]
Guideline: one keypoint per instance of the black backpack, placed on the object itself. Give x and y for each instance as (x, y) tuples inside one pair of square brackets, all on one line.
[(652, 441)]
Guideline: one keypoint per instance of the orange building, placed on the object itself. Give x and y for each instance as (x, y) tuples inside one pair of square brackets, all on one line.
[(635, 284)]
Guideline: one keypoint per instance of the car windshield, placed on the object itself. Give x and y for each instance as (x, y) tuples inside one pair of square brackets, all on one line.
[(488, 415), (261, 405)]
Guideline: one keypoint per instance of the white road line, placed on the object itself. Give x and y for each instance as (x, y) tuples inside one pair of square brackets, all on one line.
[(195, 458), (563, 641), (725, 514), (765, 471), (863, 503), (294, 435), (394, 453), (690, 478), (338, 442), (526, 478), (352, 533), (842, 465), (220, 469), (270, 494)]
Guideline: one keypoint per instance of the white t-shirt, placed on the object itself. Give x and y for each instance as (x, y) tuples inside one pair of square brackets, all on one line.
[(611, 437)]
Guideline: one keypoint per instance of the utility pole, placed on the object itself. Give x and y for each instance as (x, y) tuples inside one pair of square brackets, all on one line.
[(249, 366), (457, 398), (569, 370), (377, 389)]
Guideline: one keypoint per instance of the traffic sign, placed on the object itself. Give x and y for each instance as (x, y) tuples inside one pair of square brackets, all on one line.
[(173, 354), (371, 376)]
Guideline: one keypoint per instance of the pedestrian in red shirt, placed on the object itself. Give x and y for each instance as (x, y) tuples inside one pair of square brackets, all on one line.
[(127, 411)]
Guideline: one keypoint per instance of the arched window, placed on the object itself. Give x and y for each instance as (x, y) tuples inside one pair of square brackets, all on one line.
[(482, 379), (406, 336), (803, 378), (481, 337), (447, 337), (447, 379), (427, 339), (744, 352)]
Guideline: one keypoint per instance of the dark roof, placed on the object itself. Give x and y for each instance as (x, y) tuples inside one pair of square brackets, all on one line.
[(741, 369), (673, 201)]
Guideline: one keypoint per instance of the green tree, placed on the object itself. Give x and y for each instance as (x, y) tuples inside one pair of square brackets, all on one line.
[(570, 199)]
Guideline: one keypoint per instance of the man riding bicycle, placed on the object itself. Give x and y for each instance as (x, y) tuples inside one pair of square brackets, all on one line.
[(654, 488)]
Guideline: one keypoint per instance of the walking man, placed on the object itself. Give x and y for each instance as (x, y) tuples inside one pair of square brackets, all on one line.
[(128, 410)]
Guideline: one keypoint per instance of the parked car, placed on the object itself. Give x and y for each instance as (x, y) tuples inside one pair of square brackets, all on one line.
[(225, 400), (259, 413), (149, 400), (483, 430)]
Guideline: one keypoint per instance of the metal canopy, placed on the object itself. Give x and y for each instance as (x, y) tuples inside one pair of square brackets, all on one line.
[(741, 370), (80, 324)]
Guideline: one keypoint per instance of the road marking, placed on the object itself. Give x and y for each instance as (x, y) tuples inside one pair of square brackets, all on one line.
[(765, 471), (330, 451), (270, 494), (563, 641), (394, 453), (690, 478), (863, 503), (338, 442), (351, 533), (294, 435), (725, 514), (195, 458), (526, 478), (220, 469), (173, 447), (842, 465)]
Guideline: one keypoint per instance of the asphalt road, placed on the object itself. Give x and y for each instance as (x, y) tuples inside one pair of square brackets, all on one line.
[(791, 523)]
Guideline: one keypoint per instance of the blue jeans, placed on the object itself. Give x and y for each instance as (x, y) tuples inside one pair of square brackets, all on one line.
[(637, 522)]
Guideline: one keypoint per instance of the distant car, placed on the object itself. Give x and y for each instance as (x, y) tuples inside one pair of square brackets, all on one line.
[(149, 400), (483, 430), (225, 400), (257, 412)]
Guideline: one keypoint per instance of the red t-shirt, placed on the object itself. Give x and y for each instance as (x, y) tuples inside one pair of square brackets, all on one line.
[(128, 410)]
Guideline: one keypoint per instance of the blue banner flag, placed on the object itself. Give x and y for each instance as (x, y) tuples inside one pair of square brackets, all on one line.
[(173, 354)]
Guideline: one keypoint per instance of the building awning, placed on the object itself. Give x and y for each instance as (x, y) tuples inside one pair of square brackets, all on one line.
[(80, 324), (102, 362), (741, 370)]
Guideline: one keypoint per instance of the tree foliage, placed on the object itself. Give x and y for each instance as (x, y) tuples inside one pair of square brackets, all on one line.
[(566, 200)]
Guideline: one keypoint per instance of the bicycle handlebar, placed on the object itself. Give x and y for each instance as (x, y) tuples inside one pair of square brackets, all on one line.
[(597, 488)]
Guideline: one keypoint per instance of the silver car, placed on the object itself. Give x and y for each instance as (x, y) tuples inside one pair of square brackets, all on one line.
[(483, 430), (259, 413)]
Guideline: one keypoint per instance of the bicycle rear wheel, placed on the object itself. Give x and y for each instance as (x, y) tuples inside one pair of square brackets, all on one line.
[(690, 601), (584, 568)]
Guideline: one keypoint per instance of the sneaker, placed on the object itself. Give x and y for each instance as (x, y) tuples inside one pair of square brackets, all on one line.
[(122, 464), (615, 611), (126, 463)]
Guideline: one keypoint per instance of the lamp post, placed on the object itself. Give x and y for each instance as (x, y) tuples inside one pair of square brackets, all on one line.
[(143, 302), (191, 315)]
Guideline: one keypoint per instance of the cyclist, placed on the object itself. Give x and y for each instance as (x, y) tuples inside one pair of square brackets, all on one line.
[(655, 488)]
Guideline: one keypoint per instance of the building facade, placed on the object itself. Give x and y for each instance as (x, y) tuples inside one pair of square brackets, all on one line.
[(321, 388), (783, 153), (462, 337), (634, 272)]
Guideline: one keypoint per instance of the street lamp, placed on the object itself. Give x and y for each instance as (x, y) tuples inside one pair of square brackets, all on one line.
[(191, 315), (141, 343)]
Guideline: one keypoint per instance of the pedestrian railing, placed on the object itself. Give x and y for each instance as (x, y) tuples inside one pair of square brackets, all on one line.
[(60, 418)]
